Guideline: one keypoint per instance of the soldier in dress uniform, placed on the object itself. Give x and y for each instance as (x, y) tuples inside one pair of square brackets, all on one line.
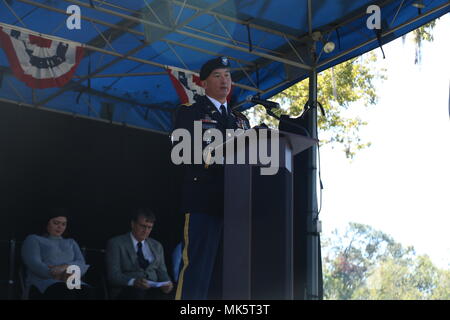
[(203, 185)]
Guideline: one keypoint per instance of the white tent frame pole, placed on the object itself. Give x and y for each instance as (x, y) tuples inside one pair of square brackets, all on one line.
[(83, 78), (223, 16), (76, 115), (139, 60), (235, 42), (14, 13), (131, 31), (388, 32), (191, 35), (396, 14)]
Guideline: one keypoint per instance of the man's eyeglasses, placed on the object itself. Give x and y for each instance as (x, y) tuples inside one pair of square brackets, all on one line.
[(145, 226)]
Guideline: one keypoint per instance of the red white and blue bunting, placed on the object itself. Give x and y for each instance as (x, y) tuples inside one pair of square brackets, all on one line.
[(39, 62), (187, 84)]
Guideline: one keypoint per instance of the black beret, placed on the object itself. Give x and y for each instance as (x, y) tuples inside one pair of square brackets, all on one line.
[(211, 65)]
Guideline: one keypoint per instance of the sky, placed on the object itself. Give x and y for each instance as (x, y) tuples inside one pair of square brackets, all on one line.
[(401, 184)]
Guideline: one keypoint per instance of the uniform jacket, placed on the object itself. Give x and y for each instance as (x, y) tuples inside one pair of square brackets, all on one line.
[(202, 187)]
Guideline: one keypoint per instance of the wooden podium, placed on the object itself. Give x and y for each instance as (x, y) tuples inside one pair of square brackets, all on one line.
[(258, 220)]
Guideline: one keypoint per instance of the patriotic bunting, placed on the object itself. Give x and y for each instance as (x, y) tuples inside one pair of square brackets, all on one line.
[(187, 85), (39, 62)]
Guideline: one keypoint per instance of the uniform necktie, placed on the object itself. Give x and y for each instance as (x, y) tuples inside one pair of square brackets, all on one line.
[(223, 111), (143, 263)]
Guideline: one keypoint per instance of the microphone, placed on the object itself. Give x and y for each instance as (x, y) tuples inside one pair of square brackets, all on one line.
[(265, 103)]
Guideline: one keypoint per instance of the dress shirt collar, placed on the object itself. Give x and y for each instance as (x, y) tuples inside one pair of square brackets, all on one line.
[(217, 104), (135, 242)]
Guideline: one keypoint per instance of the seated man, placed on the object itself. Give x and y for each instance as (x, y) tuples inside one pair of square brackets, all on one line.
[(135, 263)]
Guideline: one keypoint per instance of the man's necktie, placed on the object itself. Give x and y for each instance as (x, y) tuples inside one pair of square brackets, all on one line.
[(223, 111), (143, 263)]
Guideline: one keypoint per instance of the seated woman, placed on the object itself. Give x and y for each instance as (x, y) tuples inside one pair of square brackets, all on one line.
[(47, 258)]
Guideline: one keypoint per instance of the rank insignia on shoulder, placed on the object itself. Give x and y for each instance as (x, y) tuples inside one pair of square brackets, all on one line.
[(208, 120), (187, 104)]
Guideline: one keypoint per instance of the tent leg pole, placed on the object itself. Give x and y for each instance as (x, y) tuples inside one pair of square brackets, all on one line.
[(312, 242), (312, 235)]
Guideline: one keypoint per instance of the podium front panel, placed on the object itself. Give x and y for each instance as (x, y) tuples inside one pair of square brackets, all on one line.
[(237, 232)]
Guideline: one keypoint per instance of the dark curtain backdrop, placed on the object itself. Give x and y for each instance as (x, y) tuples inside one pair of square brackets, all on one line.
[(99, 171)]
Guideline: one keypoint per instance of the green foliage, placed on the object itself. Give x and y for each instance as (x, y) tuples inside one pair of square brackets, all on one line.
[(442, 292), (422, 34), (398, 279), (364, 263), (338, 89)]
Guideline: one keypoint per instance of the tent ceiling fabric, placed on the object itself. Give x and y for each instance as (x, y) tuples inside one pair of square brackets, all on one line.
[(128, 45)]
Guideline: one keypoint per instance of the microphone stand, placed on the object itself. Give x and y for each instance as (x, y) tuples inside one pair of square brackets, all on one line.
[(289, 121)]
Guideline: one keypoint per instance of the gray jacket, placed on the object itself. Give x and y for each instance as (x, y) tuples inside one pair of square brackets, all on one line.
[(122, 263)]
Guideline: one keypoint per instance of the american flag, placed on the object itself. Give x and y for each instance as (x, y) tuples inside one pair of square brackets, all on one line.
[(187, 85)]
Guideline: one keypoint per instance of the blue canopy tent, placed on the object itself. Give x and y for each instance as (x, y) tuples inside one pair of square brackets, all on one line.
[(128, 45)]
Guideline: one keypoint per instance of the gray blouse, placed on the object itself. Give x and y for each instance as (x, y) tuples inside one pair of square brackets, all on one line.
[(40, 252)]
